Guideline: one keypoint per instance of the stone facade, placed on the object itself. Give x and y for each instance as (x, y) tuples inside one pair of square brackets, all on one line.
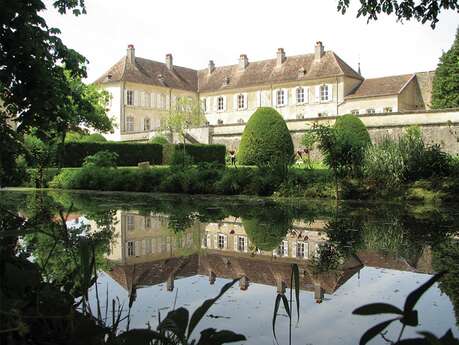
[(315, 85)]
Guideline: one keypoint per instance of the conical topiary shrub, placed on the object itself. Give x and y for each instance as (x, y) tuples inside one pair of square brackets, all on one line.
[(266, 139)]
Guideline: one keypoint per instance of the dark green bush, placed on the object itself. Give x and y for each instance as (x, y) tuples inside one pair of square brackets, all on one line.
[(266, 140), (173, 153), (129, 154)]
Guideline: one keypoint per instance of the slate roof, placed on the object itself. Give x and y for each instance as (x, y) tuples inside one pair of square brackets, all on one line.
[(384, 86), (151, 72)]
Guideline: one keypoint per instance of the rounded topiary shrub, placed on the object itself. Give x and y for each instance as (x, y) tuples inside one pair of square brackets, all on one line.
[(352, 139), (266, 139)]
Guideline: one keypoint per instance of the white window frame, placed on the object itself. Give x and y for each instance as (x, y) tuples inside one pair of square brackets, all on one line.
[(130, 222), (324, 93), (220, 104), (282, 249), (130, 248), (371, 111), (301, 250), (129, 97), (240, 101), (355, 111), (130, 127), (300, 95), (280, 96), (221, 241), (241, 244)]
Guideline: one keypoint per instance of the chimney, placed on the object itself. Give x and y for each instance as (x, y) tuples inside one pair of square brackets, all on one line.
[(243, 61), (131, 53), (319, 51), (169, 63), (211, 66), (280, 56)]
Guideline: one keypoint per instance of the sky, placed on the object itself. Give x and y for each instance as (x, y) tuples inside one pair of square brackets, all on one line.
[(198, 31)]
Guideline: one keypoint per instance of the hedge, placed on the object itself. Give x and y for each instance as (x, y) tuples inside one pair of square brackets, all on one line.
[(199, 153), (129, 154)]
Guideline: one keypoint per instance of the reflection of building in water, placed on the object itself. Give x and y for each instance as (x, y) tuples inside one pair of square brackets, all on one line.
[(149, 253)]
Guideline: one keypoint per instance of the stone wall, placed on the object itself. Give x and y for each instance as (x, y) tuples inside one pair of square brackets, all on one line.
[(438, 127)]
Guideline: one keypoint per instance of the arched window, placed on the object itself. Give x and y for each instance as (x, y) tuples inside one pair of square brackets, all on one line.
[(280, 97), (299, 95)]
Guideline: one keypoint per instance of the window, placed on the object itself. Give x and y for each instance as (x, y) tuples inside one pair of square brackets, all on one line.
[(355, 112), (146, 99), (240, 102), (220, 121), (130, 248), (282, 250), (387, 109), (130, 97), (147, 222), (204, 105), (280, 97), (146, 124), (221, 241), (299, 95), (148, 246), (324, 93), (241, 121), (371, 111), (322, 114), (241, 243), (129, 124), (300, 116), (130, 222), (300, 246), (220, 103)]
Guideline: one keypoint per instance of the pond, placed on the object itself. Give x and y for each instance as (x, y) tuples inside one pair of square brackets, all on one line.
[(127, 260)]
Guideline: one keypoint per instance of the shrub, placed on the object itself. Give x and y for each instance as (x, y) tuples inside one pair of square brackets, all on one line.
[(197, 152), (234, 181), (384, 164), (352, 139), (93, 138), (129, 154), (104, 159), (266, 140), (159, 139)]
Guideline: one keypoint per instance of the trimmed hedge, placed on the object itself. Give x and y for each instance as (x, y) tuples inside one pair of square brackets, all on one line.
[(199, 153), (129, 154), (266, 139)]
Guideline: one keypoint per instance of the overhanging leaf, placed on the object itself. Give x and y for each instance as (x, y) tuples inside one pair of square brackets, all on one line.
[(176, 322), (414, 296), (377, 308), (374, 331), (202, 310), (296, 282), (211, 337), (276, 309)]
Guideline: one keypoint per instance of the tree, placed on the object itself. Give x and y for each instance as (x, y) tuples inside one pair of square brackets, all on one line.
[(308, 140), (424, 11), (266, 140), (445, 87), (186, 114)]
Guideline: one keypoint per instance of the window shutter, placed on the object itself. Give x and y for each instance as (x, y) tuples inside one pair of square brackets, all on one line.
[(215, 241), (235, 239), (224, 103), (306, 250), (294, 249), (246, 244), (286, 97), (215, 99), (258, 98), (125, 96), (306, 95), (137, 248), (225, 241), (246, 101), (330, 92), (274, 102), (166, 106), (317, 94), (235, 102)]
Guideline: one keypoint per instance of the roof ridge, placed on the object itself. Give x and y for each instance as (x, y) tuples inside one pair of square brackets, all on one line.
[(162, 63)]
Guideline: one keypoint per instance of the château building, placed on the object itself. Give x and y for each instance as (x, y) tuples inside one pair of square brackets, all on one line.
[(304, 86)]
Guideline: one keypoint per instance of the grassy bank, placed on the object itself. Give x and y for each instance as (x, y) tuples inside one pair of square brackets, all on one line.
[(211, 179)]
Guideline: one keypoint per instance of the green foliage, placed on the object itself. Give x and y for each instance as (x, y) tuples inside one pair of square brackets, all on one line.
[(84, 137), (445, 86), (423, 11), (129, 154), (104, 159), (266, 140), (197, 153), (159, 139), (384, 164)]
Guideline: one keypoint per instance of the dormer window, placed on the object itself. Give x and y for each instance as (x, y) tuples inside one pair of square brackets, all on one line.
[(226, 81)]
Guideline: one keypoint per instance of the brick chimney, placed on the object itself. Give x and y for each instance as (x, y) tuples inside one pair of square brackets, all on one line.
[(130, 53), (243, 61), (211, 66), (319, 51), (280, 56)]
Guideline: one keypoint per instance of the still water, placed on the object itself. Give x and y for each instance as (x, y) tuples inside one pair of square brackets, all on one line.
[(157, 253)]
